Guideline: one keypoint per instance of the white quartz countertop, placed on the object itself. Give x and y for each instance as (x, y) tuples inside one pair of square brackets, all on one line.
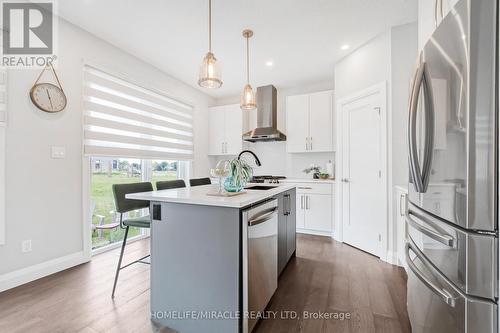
[(198, 196), (308, 180)]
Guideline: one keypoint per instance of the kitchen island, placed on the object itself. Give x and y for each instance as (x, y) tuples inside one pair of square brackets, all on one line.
[(215, 260)]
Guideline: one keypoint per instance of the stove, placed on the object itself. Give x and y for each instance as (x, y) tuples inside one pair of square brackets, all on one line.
[(267, 179)]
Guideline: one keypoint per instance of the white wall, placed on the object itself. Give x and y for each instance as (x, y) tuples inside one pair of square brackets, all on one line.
[(403, 58), (275, 160), (44, 195), (389, 57), (365, 67)]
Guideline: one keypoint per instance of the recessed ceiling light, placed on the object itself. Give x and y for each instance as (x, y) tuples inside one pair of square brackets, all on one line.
[(269, 63), (344, 47)]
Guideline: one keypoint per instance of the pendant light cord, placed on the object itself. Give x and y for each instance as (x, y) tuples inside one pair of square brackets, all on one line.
[(210, 26), (248, 64)]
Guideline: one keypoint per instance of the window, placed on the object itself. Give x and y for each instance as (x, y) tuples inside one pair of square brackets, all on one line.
[(125, 120), (106, 171), (132, 134)]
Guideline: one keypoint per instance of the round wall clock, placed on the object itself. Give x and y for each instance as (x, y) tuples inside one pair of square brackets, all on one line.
[(47, 96)]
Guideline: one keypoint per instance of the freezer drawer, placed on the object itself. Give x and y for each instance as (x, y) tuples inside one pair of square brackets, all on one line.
[(435, 305), (467, 259)]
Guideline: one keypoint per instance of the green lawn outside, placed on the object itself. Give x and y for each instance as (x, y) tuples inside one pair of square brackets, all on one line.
[(102, 197)]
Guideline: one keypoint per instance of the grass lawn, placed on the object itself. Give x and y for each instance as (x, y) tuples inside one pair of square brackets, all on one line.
[(102, 197)]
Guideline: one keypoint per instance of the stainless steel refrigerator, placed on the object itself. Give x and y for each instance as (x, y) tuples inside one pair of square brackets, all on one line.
[(451, 220)]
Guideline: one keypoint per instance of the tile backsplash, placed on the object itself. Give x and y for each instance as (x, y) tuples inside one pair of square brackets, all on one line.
[(276, 161)]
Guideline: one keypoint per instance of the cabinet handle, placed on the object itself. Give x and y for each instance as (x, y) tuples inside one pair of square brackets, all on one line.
[(401, 204), (287, 203), (304, 188), (310, 143), (307, 144), (307, 202), (301, 202), (438, 12)]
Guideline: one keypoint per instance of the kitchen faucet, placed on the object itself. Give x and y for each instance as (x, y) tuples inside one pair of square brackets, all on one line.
[(257, 161)]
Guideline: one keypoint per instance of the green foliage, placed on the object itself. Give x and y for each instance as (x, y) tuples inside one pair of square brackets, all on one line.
[(241, 172)]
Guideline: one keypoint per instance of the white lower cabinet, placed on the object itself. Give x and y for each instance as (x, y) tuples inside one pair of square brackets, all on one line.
[(314, 208)]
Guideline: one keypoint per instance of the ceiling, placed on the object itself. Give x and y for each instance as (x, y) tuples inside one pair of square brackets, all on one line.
[(302, 38)]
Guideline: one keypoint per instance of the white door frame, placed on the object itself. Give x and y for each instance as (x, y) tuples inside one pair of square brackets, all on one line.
[(384, 228)]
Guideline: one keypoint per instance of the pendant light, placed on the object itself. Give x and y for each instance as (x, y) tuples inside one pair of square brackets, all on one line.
[(247, 101), (210, 72)]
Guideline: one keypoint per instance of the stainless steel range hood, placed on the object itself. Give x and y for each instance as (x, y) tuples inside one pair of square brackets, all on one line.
[(266, 117)]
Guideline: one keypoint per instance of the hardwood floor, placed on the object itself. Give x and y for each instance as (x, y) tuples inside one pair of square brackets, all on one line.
[(330, 277), (325, 277)]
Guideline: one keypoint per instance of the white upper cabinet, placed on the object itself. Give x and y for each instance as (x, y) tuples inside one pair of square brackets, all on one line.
[(430, 15), (309, 122), (321, 121), (233, 129), (297, 123), (225, 130)]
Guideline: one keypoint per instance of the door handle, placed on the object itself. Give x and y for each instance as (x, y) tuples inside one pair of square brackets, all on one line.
[(441, 292), (443, 239), (262, 218)]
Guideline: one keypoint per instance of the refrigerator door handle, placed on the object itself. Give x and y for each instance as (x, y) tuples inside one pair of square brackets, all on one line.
[(429, 127), (443, 239), (412, 129), (443, 293), (421, 177)]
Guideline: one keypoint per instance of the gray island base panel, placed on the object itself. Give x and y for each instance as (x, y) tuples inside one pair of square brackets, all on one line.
[(195, 268), (197, 258)]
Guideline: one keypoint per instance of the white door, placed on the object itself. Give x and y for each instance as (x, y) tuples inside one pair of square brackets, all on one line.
[(319, 212), (363, 201), (216, 125), (297, 123), (234, 129), (320, 121)]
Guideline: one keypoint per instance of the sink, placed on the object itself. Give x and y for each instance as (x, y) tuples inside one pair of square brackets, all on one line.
[(259, 187)]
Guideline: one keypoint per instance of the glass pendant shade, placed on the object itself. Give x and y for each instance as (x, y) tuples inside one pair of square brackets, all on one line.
[(210, 72), (248, 98)]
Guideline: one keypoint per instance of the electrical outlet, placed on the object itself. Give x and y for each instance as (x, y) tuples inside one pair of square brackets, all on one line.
[(26, 246)]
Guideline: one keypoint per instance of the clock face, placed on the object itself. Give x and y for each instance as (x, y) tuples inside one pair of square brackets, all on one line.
[(48, 97)]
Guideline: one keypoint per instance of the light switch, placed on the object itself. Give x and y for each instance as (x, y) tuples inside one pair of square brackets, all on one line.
[(58, 152)]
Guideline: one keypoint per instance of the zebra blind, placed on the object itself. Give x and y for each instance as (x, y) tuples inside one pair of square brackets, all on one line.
[(123, 119)]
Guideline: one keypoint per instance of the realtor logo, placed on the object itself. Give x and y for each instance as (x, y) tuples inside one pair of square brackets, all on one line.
[(27, 33)]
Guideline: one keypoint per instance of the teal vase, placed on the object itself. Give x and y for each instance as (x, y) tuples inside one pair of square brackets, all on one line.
[(231, 185)]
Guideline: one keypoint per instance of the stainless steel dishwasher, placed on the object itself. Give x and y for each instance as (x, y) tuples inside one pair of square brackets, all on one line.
[(260, 259)]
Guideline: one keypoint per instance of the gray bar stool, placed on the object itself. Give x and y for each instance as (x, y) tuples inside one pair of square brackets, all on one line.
[(123, 206), (170, 184), (199, 181)]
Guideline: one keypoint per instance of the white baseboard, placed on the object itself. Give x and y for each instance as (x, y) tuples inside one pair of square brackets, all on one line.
[(314, 232), (391, 258), (35, 272)]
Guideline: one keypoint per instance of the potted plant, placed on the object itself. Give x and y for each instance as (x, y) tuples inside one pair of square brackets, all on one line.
[(240, 173), (315, 169)]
